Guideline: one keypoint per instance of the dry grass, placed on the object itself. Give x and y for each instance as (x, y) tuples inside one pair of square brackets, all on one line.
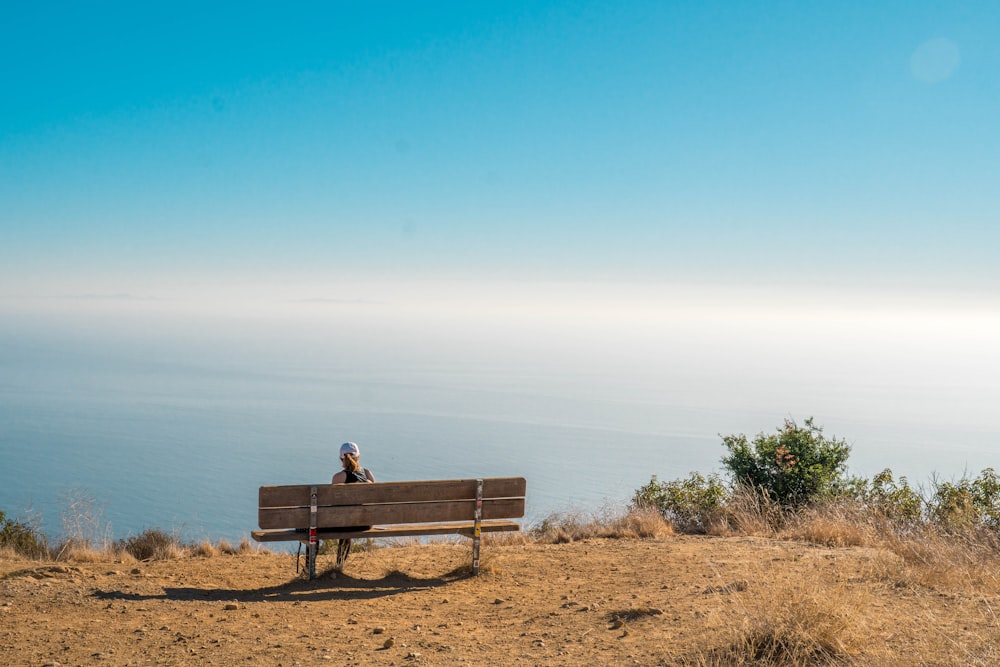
[(204, 549), (800, 621), (748, 511), (936, 561), (504, 539), (75, 552), (153, 544), (226, 548), (572, 526), (834, 526), (246, 547), (926, 557)]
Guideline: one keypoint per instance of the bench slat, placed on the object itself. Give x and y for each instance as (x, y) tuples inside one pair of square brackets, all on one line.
[(370, 515), (464, 528), (390, 492)]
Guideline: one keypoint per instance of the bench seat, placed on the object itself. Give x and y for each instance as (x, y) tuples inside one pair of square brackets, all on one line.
[(464, 528)]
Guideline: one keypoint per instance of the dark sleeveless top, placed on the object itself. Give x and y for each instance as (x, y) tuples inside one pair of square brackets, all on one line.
[(358, 476)]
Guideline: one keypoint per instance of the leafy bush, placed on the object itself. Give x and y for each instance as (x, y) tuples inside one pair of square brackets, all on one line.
[(23, 539), (892, 500), (968, 503), (692, 505), (794, 466)]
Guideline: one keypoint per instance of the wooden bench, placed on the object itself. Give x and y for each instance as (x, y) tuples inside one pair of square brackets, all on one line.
[(309, 513)]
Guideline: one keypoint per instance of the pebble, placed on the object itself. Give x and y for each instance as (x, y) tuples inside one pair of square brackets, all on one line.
[(389, 643), (232, 606), (378, 631), (498, 601)]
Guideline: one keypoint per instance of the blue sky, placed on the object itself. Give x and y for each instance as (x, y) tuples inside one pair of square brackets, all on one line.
[(750, 209), (849, 146)]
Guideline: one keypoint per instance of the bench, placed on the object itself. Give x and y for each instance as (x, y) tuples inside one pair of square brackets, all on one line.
[(308, 513)]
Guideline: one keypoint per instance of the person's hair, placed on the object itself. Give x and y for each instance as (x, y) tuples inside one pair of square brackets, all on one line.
[(350, 462)]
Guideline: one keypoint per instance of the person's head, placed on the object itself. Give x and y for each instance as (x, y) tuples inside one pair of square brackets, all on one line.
[(349, 455)]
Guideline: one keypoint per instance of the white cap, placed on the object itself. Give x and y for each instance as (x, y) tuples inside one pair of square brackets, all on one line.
[(349, 448)]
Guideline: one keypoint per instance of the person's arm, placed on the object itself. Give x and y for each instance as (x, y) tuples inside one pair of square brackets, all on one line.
[(371, 477), (339, 478)]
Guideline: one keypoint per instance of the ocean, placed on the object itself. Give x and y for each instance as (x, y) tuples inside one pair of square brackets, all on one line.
[(151, 428)]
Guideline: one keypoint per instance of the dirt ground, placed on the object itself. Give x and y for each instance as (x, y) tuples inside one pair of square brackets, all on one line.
[(667, 601)]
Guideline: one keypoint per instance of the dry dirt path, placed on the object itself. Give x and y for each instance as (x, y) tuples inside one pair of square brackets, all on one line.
[(597, 602)]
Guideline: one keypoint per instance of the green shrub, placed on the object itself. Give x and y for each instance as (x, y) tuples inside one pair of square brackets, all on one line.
[(23, 539), (968, 503), (692, 505), (794, 466), (890, 499)]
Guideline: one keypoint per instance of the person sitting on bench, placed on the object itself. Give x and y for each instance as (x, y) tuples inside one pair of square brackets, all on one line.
[(352, 473)]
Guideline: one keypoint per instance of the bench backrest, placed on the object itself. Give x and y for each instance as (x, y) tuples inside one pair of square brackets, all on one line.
[(340, 505)]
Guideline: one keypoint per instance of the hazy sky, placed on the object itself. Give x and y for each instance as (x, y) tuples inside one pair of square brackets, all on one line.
[(172, 150)]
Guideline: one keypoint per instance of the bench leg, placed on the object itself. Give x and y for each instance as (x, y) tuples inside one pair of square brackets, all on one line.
[(311, 553)]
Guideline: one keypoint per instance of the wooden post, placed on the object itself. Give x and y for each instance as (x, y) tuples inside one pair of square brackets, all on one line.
[(313, 542), (477, 527)]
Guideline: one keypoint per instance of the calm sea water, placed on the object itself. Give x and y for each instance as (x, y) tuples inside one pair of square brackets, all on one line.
[(181, 438), (187, 449)]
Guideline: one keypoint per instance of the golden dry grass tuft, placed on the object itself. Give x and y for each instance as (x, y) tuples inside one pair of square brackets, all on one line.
[(226, 548), (946, 562), (832, 525), (152, 544), (246, 547), (797, 622), (204, 549), (748, 511), (76, 552), (642, 524), (566, 527), (504, 539)]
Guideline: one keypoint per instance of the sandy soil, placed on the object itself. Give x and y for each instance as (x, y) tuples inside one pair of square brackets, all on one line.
[(596, 602)]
